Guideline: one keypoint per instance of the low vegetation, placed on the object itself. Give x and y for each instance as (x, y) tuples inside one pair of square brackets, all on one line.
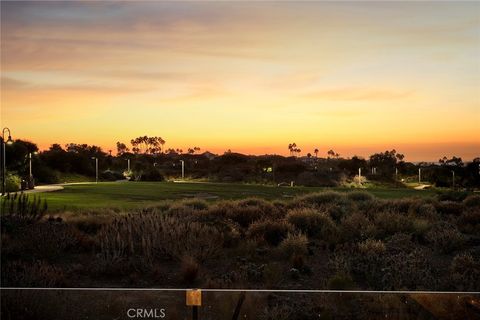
[(321, 240)]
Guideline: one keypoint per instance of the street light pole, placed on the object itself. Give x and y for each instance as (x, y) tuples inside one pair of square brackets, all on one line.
[(419, 175), (183, 169), (128, 165), (4, 158), (96, 169), (30, 164), (453, 179)]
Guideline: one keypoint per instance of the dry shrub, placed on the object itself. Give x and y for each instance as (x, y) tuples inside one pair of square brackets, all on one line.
[(469, 221), (371, 246), (151, 236), (389, 223), (465, 272), (247, 211), (399, 206), (420, 227), (90, 221), (192, 204), (356, 226), (272, 275), (445, 237), (307, 220), (423, 210), (400, 242), (295, 244), (341, 281), (272, 232), (36, 274), (367, 262), (189, 269), (19, 209), (412, 271), (340, 208), (360, 196), (472, 201), (318, 199), (49, 240), (449, 208)]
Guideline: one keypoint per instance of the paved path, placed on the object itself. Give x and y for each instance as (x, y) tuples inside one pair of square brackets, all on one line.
[(46, 188)]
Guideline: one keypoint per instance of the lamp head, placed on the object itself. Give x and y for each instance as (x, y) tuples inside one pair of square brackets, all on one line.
[(9, 140)]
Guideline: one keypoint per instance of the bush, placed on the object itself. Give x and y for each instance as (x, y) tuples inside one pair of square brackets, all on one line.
[(13, 182), (151, 236), (449, 208), (469, 221), (389, 223), (272, 232), (445, 237), (314, 224), (420, 227), (247, 211), (400, 242), (149, 175), (44, 174), (359, 196), (457, 196), (472, 201), (307, 220), (422, 210), (412, 271), (189, 269), (48, 240), (294, 245), (341, 281), (356, 226), (371, 246), (367, 262), (319, 199), (36, 274), (18, 210), (465, 272), (109, 175), (340, 208)]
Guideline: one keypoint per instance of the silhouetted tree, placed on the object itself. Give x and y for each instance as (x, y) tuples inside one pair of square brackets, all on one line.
[(122, 148)]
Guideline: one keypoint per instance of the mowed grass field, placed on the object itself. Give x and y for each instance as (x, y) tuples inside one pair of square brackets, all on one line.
[(136, 194)]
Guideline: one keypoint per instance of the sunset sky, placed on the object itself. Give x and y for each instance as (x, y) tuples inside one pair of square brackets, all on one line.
[(251, 77)]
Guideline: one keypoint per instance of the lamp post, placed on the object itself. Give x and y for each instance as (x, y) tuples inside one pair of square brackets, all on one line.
[(419, 175), (4, 161), (96, 168), (128, 165), (183, 169), (31, 184), (453, 179)]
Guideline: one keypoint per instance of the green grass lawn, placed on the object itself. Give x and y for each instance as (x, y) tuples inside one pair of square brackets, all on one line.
[(134, 194)]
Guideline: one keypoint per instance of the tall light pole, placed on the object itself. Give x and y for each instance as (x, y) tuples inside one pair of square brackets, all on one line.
[(128, 165), (453, 179), (4, 158), (396, 174), (183, 169), (419, 175), (360, 175), (96, 168), (30, 177)]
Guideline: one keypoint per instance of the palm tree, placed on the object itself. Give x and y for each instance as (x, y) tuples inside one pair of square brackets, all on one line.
[(316, 152)]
